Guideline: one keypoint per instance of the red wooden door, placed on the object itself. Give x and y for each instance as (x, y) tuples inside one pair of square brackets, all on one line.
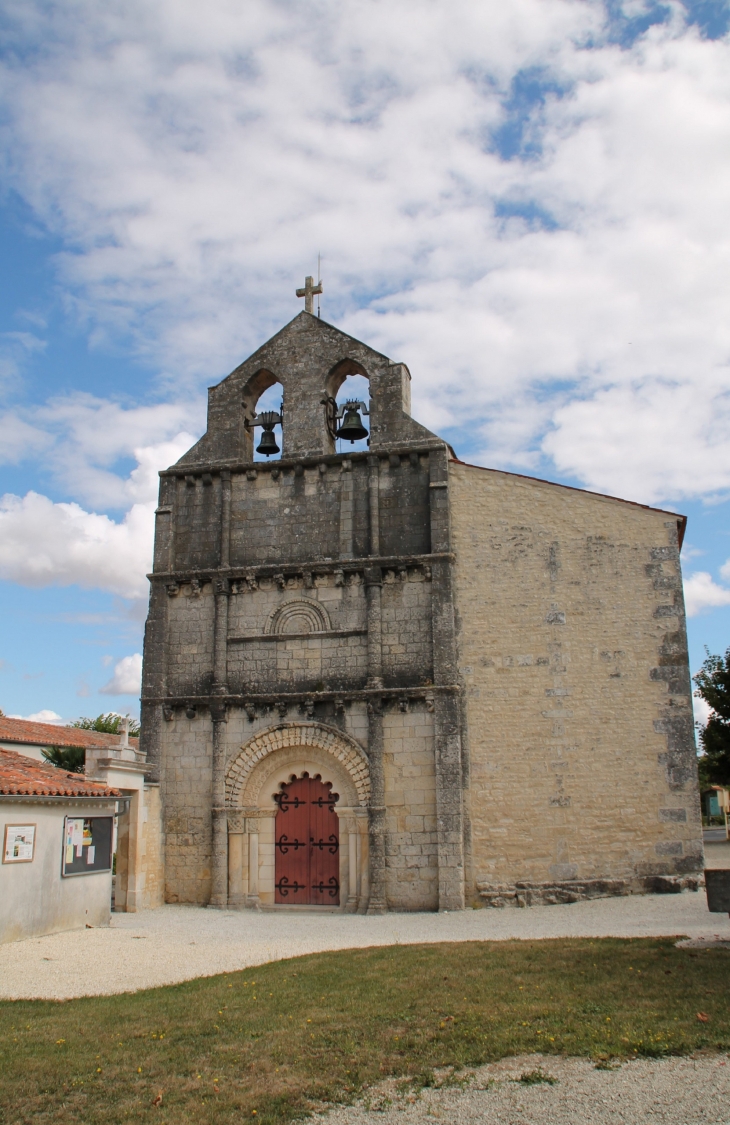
[(307, 843)]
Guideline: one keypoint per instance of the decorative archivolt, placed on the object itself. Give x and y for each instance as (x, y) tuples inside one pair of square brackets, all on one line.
[(302, 615), (286, 735)]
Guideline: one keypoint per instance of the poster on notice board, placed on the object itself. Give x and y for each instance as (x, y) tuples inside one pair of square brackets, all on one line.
[(87, 844), (19, 843)]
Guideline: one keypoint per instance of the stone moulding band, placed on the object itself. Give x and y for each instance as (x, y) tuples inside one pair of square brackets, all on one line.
[(293, 698), (249, 638), (309, 461), (294, 734), (296, 570)]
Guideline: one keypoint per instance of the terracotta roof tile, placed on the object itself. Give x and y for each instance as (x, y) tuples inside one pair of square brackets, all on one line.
[(46, 734), (20, 776)]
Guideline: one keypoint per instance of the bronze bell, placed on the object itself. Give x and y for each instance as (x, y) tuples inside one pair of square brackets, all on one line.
[(352, 428), (268, 445)]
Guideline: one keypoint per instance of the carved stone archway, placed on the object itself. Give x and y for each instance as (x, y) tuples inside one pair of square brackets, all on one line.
[(283, 735), (252, 774)]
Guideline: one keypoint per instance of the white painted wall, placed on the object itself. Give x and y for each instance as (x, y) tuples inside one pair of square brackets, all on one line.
[(34, 897), (28, 749)]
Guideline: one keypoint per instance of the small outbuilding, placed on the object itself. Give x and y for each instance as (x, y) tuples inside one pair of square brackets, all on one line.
[(114, 760), (56, 832)]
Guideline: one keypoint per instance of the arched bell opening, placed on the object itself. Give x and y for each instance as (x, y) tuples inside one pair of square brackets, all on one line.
[(263, 415), (347, 407)]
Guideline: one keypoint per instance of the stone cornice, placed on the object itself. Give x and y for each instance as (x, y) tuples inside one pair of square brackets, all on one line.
[(309, 460), (298, 569), (307, 699)]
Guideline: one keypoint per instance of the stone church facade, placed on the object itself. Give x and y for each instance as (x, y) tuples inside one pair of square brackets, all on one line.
[(389, 680)]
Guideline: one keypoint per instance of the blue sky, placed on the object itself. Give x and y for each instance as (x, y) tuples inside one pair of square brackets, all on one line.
[(525, 203)]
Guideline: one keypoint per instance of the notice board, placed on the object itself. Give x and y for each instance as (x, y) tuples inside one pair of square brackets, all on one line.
[(87, 844)]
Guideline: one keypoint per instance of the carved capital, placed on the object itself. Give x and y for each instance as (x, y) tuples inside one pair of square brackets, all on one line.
[(373, 576), (218, 711), (236, 821)]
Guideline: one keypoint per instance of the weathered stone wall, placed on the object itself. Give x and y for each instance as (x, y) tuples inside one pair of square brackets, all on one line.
[(411, 849), (578, 712)]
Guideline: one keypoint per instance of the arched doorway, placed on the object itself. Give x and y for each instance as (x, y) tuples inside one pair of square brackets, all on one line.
[(307, 843), (256, 777)]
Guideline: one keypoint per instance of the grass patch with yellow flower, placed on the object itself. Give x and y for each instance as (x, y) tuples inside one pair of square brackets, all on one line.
[(269, 1044)]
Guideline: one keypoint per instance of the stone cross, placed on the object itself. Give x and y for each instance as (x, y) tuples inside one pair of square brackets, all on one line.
[(308, 292)]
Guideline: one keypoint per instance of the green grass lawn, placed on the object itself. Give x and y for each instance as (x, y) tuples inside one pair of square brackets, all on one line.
[(268, 1043)]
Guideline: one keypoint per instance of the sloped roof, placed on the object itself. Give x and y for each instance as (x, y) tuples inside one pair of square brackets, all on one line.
[(20, 776), (681, 520), (46, 734)]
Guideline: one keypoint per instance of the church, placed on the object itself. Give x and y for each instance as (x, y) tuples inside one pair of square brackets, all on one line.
[(378, 678)]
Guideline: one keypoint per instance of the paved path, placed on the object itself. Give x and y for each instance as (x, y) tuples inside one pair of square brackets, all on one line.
[(177, 943), (682, 1091)]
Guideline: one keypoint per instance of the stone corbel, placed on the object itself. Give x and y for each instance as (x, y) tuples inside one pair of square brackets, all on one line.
[(218, 711), (373, 576), (173, 589)]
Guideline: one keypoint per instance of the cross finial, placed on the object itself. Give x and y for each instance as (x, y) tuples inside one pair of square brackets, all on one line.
[(309, 292)]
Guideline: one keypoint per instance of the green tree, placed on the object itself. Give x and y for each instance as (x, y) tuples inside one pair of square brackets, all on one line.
[(110, 723), (69, 758), (713, 685)]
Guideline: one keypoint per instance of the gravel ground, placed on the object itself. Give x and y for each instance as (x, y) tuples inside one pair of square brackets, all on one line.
[(177, 943), (675, 1091)]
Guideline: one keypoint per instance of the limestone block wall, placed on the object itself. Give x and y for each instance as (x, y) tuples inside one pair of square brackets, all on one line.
[(186, 783), (152, 850), (406, 615), (411, 843), (577, 697), (186, 786), (190, 616)]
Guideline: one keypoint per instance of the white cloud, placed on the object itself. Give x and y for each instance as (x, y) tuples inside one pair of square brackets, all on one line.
[(47, 544), (701, 593), (194, 161), (43, 543), (702, 710), (80, 439), (127, 678), (44, 716)]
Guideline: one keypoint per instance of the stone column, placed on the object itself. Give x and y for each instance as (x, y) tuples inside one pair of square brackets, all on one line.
[(236, 839), (447, 715), (352, 868), (346, 509), (377, 902), (252, 898), (219, 873), (374, 495), (373, 593)]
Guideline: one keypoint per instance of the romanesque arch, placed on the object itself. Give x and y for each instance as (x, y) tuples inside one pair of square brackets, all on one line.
[(298, 734), (299, 615)]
